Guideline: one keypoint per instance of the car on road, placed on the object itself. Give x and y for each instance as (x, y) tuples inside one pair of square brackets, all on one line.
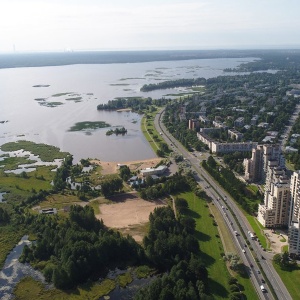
[(244, 251), (258, 272), (263, 289), (263, 281)]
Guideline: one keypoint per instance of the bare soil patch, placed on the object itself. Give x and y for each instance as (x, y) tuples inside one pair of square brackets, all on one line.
[(112, 167), (277, 239), (128, 213)]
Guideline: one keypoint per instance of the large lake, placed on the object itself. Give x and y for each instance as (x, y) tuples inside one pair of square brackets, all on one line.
[(27, 115)]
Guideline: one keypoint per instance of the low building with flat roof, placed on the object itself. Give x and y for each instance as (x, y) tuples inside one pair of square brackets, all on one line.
[(154, 171)]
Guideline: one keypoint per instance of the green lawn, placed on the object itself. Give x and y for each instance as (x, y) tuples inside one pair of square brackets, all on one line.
[(291, 280), (252, 188), (149, 131), (258, 229), (211, 248)]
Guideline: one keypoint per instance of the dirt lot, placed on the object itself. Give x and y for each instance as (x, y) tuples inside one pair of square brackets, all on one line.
[(112, 167), (275, 239), (129, 214)]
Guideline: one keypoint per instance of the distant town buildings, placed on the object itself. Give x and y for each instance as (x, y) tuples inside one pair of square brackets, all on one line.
[(204, 120), (254, 120), (239, 122), (295, 93), (193, 124)]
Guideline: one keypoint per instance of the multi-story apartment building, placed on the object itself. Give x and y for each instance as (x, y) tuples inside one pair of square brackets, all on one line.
[(256, 166), (272, 152), (234, 134), (294, 218), (274, 212), (217, 147), (193, 124)]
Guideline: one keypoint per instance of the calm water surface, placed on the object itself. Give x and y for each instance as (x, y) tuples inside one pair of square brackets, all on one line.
[(91, 84)]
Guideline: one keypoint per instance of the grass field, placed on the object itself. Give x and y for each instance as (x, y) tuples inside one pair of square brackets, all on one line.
[(28, 289), (45, 152), (124, 279), (149, 131), (291, 280), (258, 229), (211, 247), (59, 201), (9, 237), (253, 188)]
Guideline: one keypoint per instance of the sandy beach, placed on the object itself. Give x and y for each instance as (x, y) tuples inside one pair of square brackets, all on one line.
[(112, 167)]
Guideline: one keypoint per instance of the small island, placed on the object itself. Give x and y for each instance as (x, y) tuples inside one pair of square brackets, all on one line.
[(88, 125), (117, 131)]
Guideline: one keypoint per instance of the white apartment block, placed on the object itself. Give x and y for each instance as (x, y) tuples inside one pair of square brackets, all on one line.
[(217, 147), (274, 212), (272, 152), (294, 220)]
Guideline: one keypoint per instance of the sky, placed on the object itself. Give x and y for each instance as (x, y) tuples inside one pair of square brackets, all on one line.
[(64, 25)]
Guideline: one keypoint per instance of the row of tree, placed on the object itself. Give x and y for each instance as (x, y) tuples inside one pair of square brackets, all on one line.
[(173, 84), (232, 185), (135, 103)]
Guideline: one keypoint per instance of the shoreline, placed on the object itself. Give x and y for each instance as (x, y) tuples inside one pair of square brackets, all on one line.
[(111, 167)]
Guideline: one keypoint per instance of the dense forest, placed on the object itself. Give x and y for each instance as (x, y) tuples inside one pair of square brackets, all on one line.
[(171, 247), (78, 248), (70, 250)]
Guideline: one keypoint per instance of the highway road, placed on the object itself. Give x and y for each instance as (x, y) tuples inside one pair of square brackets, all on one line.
[(235, 221)]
